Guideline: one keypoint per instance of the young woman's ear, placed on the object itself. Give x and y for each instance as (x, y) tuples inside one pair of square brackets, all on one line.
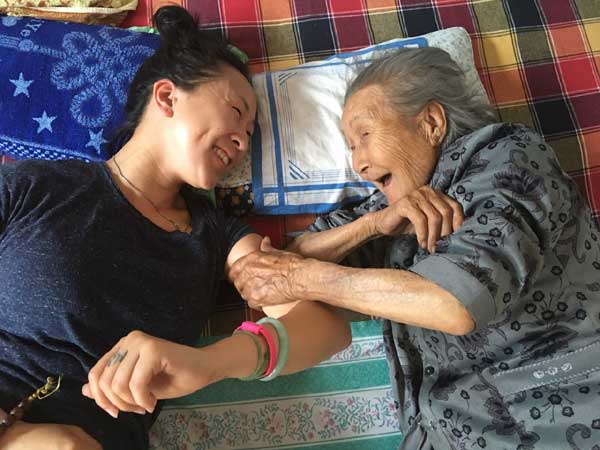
[(164, 96)]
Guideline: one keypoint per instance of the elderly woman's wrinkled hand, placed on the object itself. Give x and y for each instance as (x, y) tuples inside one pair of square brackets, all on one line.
[(428, 213), (266, 277)]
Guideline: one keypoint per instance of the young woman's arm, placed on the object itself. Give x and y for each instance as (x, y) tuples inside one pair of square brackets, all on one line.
[(142, 369)]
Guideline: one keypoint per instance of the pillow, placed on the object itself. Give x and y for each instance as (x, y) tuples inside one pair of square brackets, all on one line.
[(64, 86), (299, 159)]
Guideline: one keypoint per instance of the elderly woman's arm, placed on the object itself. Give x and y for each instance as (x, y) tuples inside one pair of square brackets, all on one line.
[(397, 295), (428, 213), (335, 244)]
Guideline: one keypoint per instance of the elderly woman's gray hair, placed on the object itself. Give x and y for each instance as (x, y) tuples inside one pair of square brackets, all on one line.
[(412, 77)]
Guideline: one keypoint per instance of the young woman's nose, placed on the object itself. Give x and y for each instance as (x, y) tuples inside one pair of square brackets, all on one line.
[(241, 142)]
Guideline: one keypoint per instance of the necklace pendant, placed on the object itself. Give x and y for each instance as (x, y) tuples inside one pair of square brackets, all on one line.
[(135, 188)]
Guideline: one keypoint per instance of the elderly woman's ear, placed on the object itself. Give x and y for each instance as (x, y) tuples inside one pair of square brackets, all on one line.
[(432, 123)]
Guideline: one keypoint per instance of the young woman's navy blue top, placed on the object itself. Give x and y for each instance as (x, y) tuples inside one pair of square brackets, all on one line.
[(80, 268)]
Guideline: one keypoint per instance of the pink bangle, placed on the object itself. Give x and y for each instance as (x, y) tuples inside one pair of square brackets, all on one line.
[(259, 330)]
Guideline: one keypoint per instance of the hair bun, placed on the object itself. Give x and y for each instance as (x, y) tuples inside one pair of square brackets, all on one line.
[(174, 24)]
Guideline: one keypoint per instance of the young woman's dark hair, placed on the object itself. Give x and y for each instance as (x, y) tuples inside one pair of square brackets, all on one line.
[(187, 56)]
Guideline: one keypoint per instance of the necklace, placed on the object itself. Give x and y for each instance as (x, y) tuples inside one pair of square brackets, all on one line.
[(171, 221)]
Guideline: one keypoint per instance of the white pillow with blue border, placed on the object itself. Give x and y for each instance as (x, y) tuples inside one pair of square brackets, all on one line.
[(300, 162)]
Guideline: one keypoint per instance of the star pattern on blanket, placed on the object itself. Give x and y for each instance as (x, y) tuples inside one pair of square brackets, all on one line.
[(10, 21), (79, 73), (22, 85), (96, 140), (44, 122)]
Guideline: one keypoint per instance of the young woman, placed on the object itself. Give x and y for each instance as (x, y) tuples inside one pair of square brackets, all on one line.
[(94, 255)]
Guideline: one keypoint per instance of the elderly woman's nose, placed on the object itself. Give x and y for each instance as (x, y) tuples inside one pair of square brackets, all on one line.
[(359, 161)]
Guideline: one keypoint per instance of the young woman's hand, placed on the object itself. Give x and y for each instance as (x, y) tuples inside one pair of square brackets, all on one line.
[(141, 369), (426, 212), (47, 436)]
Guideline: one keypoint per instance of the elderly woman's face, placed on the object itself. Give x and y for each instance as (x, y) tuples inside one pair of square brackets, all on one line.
[(388, 149)]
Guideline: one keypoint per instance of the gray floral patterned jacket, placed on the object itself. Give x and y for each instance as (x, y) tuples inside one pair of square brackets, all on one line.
[(526, 264)]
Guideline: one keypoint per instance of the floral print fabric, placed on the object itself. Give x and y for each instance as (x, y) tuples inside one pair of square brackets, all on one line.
[(526, 264)]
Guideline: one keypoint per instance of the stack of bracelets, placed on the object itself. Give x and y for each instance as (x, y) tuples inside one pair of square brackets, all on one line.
[(271, 363), (52, 385)]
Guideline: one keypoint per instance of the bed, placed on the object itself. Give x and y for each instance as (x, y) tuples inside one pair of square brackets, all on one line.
[(539, 62)]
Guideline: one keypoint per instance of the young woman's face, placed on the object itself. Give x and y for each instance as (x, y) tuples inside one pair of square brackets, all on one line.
[(212, 126)]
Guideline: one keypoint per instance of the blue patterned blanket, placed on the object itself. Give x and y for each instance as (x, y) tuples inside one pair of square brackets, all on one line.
[(63, 86)]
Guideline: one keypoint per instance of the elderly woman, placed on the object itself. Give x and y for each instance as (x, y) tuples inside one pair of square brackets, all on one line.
[(492, 331)]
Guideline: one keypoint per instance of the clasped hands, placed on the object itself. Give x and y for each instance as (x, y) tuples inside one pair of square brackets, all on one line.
[(271, 277)]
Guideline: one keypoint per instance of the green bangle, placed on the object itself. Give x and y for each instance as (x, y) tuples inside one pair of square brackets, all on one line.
[(263, 360), (283, 340)]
